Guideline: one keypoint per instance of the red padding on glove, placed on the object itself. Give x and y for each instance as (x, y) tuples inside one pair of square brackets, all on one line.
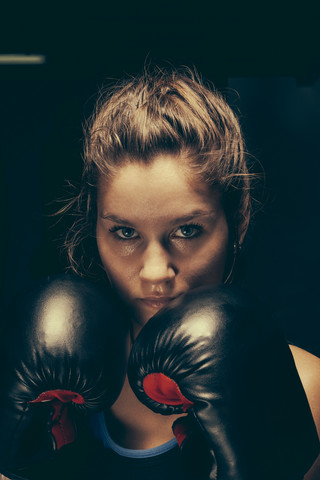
[(164, 390), (62, 427), (181, 429), (64, 396)]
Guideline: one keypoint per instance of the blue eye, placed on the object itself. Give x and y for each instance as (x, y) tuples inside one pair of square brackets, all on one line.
[(124, 233), (188, 231)]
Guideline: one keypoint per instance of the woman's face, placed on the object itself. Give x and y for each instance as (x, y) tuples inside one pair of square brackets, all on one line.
[(158, 234)]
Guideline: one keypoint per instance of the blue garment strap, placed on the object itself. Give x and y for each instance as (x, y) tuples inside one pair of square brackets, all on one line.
[(100, 431)]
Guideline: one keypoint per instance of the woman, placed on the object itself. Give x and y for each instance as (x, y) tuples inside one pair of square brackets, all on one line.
[(164, 207)]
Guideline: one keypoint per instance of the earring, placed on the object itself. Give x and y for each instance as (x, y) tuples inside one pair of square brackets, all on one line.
[(236, 247), (236, 250)]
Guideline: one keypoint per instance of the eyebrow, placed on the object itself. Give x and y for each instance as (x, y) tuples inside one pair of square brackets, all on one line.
[(184, 218)]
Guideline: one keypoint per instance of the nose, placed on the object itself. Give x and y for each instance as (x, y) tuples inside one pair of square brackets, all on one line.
[(157, 266)]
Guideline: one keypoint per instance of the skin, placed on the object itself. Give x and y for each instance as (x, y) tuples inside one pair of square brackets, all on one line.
[(160, 234)]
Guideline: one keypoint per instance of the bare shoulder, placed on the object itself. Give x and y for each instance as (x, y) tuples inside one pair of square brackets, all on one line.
[(308, 367), (305, 360)]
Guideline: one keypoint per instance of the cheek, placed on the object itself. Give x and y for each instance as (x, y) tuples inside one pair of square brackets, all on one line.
[(119, 271), (206, 270), (207, 266)]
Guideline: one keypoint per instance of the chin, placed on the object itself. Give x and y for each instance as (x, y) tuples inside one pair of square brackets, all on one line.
[(146, 317)]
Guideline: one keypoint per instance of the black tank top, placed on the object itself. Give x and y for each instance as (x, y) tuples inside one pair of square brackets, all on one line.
[(118, 463)]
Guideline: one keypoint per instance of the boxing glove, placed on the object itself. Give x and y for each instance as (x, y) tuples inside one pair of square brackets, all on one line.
[(215, 354), (62, 357)]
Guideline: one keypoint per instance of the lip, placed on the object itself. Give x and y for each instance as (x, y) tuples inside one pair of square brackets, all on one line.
[(156, 302)]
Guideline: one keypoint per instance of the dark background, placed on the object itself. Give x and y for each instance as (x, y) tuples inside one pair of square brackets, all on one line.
[(268, 54)]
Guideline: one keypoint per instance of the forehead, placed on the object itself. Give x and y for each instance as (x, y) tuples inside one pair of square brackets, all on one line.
[(164, 186)]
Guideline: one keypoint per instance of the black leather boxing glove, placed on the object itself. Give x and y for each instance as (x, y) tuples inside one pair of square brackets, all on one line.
[(62, 356), (216, 354)]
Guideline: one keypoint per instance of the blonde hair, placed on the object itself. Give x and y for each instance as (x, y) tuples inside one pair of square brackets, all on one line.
[(158, 112)]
